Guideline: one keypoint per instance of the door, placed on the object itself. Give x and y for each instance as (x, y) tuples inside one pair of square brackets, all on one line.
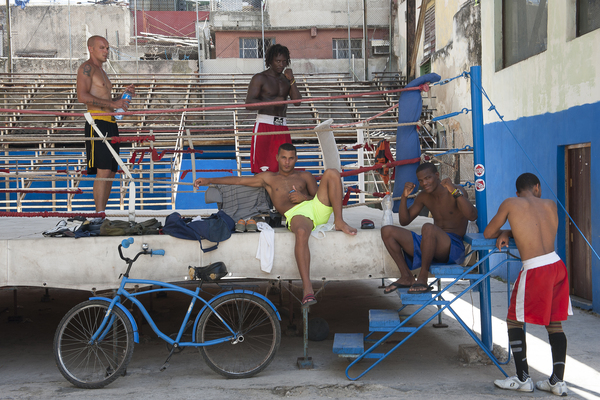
[(579, 255)]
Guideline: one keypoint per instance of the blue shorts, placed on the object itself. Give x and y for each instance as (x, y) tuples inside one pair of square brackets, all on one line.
[(456, 256)]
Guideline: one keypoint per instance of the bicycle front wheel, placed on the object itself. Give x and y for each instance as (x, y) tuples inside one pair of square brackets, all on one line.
[(93, 365), (257, 330)]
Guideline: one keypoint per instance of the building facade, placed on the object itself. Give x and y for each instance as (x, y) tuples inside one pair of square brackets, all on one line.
[(541, 69)]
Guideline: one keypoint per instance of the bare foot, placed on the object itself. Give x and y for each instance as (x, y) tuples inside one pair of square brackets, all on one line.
[(344, 227), (420, 288)]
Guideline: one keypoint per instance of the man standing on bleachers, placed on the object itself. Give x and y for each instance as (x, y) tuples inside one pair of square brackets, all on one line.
[(276, 83), (94, 89)]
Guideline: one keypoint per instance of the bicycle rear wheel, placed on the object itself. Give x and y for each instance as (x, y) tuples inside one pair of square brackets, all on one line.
[(257, 329), (93, 365)]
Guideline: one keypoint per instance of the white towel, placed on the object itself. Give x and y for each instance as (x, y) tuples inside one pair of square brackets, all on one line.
[(266, 246)]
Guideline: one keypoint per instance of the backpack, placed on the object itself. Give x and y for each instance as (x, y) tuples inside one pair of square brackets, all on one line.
[(216, 228), (125, 228)]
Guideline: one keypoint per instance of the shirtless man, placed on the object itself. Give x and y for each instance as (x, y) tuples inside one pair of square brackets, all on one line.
[(94, 90), (304, 203), (541, 292), (440, 241), (276, 83)]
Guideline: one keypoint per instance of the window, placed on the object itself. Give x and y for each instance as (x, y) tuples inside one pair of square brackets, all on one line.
[(524, 29), (253, 47), (429, 39), (340, 48), (588, 16)]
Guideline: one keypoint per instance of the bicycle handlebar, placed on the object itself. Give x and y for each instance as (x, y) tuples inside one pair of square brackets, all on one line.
[(126, 242)]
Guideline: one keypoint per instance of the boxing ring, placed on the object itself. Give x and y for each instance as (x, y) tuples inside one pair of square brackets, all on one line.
[(93, 264)]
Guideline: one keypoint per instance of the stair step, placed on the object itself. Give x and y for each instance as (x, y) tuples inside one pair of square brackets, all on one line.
[(447, 270), (349, 344), (383, 319), (416, 298)]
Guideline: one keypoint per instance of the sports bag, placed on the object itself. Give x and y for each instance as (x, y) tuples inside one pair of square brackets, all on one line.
[(216, 228)]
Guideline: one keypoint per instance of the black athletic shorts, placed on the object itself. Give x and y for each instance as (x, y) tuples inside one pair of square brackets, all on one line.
[(98, 155)]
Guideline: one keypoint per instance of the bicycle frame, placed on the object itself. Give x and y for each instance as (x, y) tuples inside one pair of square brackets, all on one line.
[(108, 320)]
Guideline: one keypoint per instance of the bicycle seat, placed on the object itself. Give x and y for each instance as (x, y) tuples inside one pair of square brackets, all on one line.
[(211, 273)]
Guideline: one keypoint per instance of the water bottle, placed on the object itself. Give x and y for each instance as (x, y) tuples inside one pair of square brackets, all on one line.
[(126, 96), (386, 205)]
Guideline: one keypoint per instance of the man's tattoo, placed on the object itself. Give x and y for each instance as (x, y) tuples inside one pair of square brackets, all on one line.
[(87, 69)]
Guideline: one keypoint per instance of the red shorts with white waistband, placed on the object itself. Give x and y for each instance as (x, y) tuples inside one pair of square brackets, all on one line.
[(263, 150), (541, 292)]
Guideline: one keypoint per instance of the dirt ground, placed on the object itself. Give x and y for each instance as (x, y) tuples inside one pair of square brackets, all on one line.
[(427, 366)]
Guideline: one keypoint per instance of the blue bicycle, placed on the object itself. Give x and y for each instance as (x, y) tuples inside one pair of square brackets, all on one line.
[(237, 332)]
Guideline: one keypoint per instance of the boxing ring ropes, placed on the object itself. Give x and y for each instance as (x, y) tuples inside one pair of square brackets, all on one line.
[(178, 151), (478, 145)]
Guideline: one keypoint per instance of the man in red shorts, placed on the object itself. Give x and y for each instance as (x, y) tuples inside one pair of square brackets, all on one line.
[(276, 83), (541, 292)]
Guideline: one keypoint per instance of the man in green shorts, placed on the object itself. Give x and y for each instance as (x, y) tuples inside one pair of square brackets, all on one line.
[(304, 203)]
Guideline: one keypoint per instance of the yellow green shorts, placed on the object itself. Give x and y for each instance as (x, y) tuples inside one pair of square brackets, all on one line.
[(313, 209)]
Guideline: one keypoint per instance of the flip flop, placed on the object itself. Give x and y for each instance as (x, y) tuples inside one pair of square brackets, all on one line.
[(367, 224), (396, 286), (419, 285), (309, 300)]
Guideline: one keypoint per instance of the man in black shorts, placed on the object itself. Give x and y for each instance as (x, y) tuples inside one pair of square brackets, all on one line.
[(94, 90)]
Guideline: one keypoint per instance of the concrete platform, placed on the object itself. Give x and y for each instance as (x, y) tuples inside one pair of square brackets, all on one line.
[(29, 259)]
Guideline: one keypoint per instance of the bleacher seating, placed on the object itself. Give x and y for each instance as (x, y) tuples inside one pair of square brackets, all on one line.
[(33, 141)]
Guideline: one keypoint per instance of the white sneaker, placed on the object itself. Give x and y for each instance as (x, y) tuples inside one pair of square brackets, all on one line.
[(559, 389), (513, 383)]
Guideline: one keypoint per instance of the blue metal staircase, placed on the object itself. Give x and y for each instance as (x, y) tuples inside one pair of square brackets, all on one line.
[(352, 345)]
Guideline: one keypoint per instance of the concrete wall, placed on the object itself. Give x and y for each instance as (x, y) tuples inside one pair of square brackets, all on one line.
[(458, 47), (65, 66), (300, 42), (327, 13), (300, 66), (549, 101), (47, 28)]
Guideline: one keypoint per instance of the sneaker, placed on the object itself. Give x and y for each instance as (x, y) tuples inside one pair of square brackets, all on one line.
[(559, 389), (251, 225), (240, 226), (513, 383)]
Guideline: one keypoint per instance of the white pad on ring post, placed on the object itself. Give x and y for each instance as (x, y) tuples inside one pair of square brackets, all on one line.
[(90, 120)]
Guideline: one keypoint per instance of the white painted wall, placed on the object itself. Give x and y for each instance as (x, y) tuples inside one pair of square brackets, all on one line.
[(564, 76)]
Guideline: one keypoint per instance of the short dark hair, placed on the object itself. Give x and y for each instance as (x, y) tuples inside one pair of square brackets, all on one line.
[(92, 40), (276, 50), (287, 147), (427, 165), (526, 181)]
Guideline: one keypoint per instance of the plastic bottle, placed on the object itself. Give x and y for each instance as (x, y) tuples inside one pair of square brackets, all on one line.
[(386, 205), (126, 96)]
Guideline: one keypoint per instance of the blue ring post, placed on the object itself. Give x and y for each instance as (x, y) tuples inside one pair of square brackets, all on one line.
[(485, 301)]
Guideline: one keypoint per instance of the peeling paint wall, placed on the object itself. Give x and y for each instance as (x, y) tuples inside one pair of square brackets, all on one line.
[(456, 53), (47, 28), (458, 48)]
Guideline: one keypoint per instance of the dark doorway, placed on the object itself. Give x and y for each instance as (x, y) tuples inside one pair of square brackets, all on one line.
[(579, 255)]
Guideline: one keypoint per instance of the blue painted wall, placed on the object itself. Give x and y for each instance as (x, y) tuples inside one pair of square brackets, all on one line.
[(543, 138)]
